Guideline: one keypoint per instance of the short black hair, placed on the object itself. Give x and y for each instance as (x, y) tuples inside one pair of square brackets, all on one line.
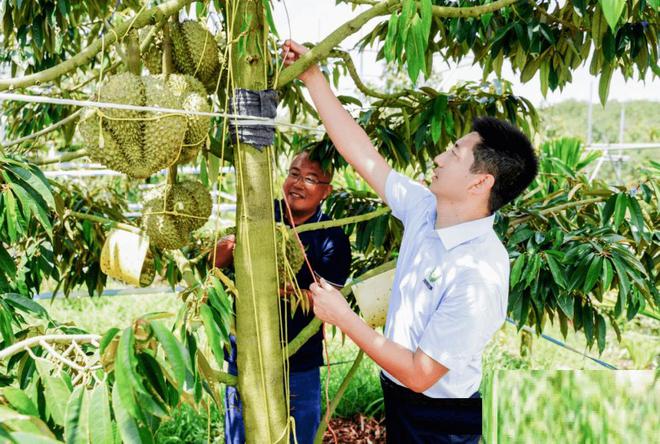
[(312, 156), (508, 155)]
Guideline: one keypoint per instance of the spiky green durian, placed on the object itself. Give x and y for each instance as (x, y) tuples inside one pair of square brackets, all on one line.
[(172, 212), (136, 143)]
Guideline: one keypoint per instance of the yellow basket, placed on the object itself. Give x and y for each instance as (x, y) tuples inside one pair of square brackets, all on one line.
[(373, 297), (123, 256)]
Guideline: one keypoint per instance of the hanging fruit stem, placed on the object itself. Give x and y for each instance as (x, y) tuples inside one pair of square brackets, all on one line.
[(133, 62), (168, 66)]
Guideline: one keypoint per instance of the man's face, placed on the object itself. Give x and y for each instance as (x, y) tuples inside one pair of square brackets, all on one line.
[(452, 179), (301, 195)]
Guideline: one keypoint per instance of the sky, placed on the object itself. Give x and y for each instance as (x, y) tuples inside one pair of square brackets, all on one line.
[(312, 20)]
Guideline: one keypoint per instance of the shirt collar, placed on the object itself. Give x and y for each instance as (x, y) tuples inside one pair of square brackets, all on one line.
[(461, 233), (316, 217)]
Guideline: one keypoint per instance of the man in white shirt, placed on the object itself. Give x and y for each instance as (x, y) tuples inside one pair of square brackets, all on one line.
[(451, 284)]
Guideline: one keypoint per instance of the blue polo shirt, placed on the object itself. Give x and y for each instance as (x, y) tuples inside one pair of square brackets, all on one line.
[(329, 253)]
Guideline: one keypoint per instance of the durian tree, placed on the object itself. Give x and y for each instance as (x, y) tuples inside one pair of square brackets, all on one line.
[(583, 253)]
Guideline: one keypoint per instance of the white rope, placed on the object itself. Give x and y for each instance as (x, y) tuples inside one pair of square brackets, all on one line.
[(244, 120)]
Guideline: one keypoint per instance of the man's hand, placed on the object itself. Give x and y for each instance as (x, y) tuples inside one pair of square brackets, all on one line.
[(291, 52), (329, 304), (224, 251)]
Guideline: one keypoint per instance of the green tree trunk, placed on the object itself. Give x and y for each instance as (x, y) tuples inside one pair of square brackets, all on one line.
[(260, 358)]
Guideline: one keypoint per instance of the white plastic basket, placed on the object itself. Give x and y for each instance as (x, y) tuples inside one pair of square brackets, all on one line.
[(123, 256), (373, 297)]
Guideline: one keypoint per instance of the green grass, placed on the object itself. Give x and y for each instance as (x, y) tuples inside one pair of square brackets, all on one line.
[(574, 406)]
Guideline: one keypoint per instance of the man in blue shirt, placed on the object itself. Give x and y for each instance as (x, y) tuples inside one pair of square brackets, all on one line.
[(329, 254)]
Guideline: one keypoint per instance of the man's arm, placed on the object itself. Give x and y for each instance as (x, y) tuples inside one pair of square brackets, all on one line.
[(348, 137), (416, 370)]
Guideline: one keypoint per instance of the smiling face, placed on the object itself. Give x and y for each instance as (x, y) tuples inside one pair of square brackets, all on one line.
[(452, 179), (304, 197)]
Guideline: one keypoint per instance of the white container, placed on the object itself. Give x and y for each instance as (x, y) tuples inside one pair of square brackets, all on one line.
[(373, 297), (123, 257)]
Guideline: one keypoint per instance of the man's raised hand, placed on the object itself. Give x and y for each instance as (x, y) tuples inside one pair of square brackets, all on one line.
[(291, 52)]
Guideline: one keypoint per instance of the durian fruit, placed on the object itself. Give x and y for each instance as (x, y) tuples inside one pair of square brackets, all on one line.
[(194, 52), (136, 143), (292, 251), (192, 95), (191, 202)]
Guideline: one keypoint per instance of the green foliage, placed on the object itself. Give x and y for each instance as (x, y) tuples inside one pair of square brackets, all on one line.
[(550, 39), (578, 242)]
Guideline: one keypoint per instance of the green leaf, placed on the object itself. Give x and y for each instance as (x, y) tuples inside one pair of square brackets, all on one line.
[(426, 11), (7, 265), (516, 270), (125, 375), (34, 182), (32, 203), (530, 69), (19, 401), (608, 208), (565, 302), (612, 10), (600, 332), (128, 428), (608, 275), (98, 417), (390, 40), (107, 339), (415, 48), (557, 272), (74, 428), (30, 438), (212, 333), (593, 273), (26, 305), (604, 82), (57, 394), (620, 209), (636, 213), (10, 216), (174, 352)]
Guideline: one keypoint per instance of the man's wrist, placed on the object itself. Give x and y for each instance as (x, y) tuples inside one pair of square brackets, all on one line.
[(346, 320), (311, 75)]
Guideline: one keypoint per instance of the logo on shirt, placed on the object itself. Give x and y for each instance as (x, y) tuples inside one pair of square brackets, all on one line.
[(431, 278)]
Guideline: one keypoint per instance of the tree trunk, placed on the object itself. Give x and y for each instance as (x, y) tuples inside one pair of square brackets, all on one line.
[(260, 354)]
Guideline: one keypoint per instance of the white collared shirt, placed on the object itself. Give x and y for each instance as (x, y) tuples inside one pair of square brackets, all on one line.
[(450, 289)]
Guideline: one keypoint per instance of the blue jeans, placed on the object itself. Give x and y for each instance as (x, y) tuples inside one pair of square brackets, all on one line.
[(305, 398)]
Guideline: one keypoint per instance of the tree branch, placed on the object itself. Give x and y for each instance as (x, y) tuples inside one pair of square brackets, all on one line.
[(330, 409), (321, 51), (57, 339), (472, 11), (103, 220), (143, 47), (556, 209), (150, 16), (66, 157), (350, 66), (73, 116), (341, 222)]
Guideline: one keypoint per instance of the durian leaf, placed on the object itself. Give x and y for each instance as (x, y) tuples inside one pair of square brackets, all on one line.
[(100, 424)]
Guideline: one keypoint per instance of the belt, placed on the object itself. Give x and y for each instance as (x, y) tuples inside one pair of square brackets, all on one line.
[(402, 393)]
